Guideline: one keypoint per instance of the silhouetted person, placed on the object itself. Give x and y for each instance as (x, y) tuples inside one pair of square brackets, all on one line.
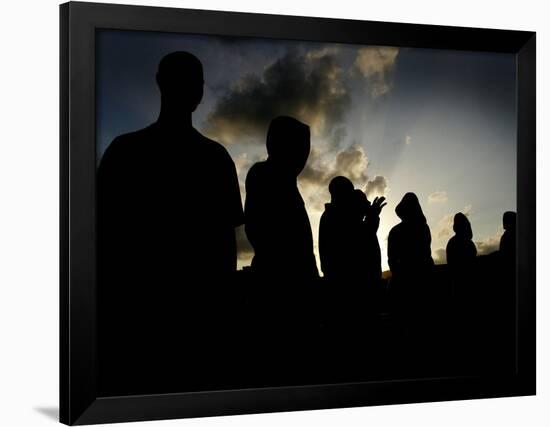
[(508, 239), (461, 250), (351, 261), (464, 286), (348, 245), (409, 255), (365, 267), (277, 224), (501, 301), (409, 242), (168, 205), (367, 215), (283, 267), (336, 230)]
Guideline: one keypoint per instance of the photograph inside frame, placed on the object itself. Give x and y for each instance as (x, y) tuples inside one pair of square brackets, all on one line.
[(277, 212)]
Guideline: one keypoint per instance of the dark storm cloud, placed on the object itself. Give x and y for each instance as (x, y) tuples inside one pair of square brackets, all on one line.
[(314, 173), (307, 86), (375, 63), (351, 162)]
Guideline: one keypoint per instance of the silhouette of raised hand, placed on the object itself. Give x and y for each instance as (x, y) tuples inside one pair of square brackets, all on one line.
[(376, 206)]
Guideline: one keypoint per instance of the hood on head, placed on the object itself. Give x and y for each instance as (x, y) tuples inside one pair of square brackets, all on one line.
[(409, 209)]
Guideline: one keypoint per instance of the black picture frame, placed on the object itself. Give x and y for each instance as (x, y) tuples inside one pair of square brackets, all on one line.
[(79, 402)]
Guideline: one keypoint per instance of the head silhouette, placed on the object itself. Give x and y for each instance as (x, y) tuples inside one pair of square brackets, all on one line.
[(462, 226), (288, 144), (340, 189), (409, 209), (509, 221), (180, 80)]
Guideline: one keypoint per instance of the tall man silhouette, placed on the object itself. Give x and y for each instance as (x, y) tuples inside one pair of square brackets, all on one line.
[(168, 205)]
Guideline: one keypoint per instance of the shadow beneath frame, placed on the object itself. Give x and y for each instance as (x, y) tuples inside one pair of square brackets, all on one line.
[(51, 412)]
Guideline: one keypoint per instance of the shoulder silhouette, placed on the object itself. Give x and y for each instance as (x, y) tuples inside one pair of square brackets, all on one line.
[(168, 195), (277, 224)]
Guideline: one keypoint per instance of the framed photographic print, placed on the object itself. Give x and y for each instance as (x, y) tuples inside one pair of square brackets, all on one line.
[(271, 213)]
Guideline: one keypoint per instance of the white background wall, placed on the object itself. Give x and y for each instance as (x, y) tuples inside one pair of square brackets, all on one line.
[(29, 211)]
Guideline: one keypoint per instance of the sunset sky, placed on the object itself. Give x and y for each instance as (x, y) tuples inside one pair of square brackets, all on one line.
[(438, 123)]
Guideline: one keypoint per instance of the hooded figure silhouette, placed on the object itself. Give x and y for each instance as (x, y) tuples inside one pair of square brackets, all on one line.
[(409, 249), (461, 250), (461, 259), (277, 224)]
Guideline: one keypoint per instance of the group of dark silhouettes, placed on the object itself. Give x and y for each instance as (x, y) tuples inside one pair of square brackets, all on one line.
[(175, 315)]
